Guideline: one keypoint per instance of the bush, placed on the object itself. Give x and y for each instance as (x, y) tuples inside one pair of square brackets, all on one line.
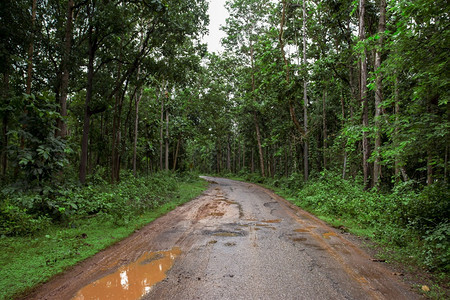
[(437, 247), (15, 220), (428, 209), (25, 213)]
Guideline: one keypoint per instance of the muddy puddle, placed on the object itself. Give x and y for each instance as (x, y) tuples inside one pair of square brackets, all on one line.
[(134, 280)]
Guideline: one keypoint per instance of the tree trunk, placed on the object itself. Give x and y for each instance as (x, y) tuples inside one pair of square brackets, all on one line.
[(31, 48), (243, 156), (325, 137), (62, 126), (87, 112), (252, 166), (363, 94), (116, 129), (228, 156), (344, 167), (305, 103), (255, 118), (5, 122), (175, 157), (379, 93), (161, 134), (430, 178), (136, 127), (167, 141), (258, 139), (396, 130)]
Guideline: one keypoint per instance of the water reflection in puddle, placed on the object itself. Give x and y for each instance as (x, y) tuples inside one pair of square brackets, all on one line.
[(134, 280)]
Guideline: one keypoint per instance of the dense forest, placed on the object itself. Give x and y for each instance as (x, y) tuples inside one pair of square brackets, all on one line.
[(306, 94)]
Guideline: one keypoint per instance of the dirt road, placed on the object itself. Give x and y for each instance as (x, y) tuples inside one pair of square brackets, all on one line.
[(237, 241)]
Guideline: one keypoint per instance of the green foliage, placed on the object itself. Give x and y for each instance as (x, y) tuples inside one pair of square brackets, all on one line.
[(428, 209), (15, 220), (436, 250), (25, 213), (39, 154)]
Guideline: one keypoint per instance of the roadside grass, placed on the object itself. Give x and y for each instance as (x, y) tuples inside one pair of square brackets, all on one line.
[(27, 261), (406, 226)]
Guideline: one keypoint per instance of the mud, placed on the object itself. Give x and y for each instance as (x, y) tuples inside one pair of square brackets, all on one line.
[(236, 241), (132, 281)]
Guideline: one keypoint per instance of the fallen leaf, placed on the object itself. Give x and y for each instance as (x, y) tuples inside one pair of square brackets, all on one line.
[(425, 288)]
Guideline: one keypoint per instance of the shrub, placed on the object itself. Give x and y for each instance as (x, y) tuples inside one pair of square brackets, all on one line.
[(15, 220)]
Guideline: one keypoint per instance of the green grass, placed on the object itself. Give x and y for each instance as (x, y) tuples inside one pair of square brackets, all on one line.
[(26, 262)]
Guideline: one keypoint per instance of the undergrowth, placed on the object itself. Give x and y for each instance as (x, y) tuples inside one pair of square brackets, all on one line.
[(78, 223)]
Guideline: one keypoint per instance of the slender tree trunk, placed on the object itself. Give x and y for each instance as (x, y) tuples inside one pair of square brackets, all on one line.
[(396, 130), (446, 162), (175, 157), (161, 134), (252, 166), (116, 130), (430, 178), (136, 127), (258, 139), (379, 92), (243, 156), (255, 118), (363, 94), (87, 112), (344, 167), (325, 137), (167, 141), (62, 126), (305, 103), (5, 121), (31, 48), (228, 156)]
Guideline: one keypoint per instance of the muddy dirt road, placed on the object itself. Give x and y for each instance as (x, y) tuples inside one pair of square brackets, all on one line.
[(237, 241)]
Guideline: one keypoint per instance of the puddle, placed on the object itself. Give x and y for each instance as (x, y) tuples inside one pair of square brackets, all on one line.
[(132, 281), (272, 221), (328, 235)]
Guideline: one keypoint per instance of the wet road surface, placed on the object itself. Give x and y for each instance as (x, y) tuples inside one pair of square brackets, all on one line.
[(236, 241)]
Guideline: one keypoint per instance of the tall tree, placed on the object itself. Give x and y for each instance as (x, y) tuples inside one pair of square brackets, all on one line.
[(305, 102), (363, 92), (379, 91)]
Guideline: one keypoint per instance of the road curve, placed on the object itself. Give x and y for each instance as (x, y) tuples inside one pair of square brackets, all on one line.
[(236, 241)]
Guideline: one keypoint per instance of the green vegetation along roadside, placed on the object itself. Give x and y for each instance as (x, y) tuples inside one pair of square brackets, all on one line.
[(408, 225), (28, 260)]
